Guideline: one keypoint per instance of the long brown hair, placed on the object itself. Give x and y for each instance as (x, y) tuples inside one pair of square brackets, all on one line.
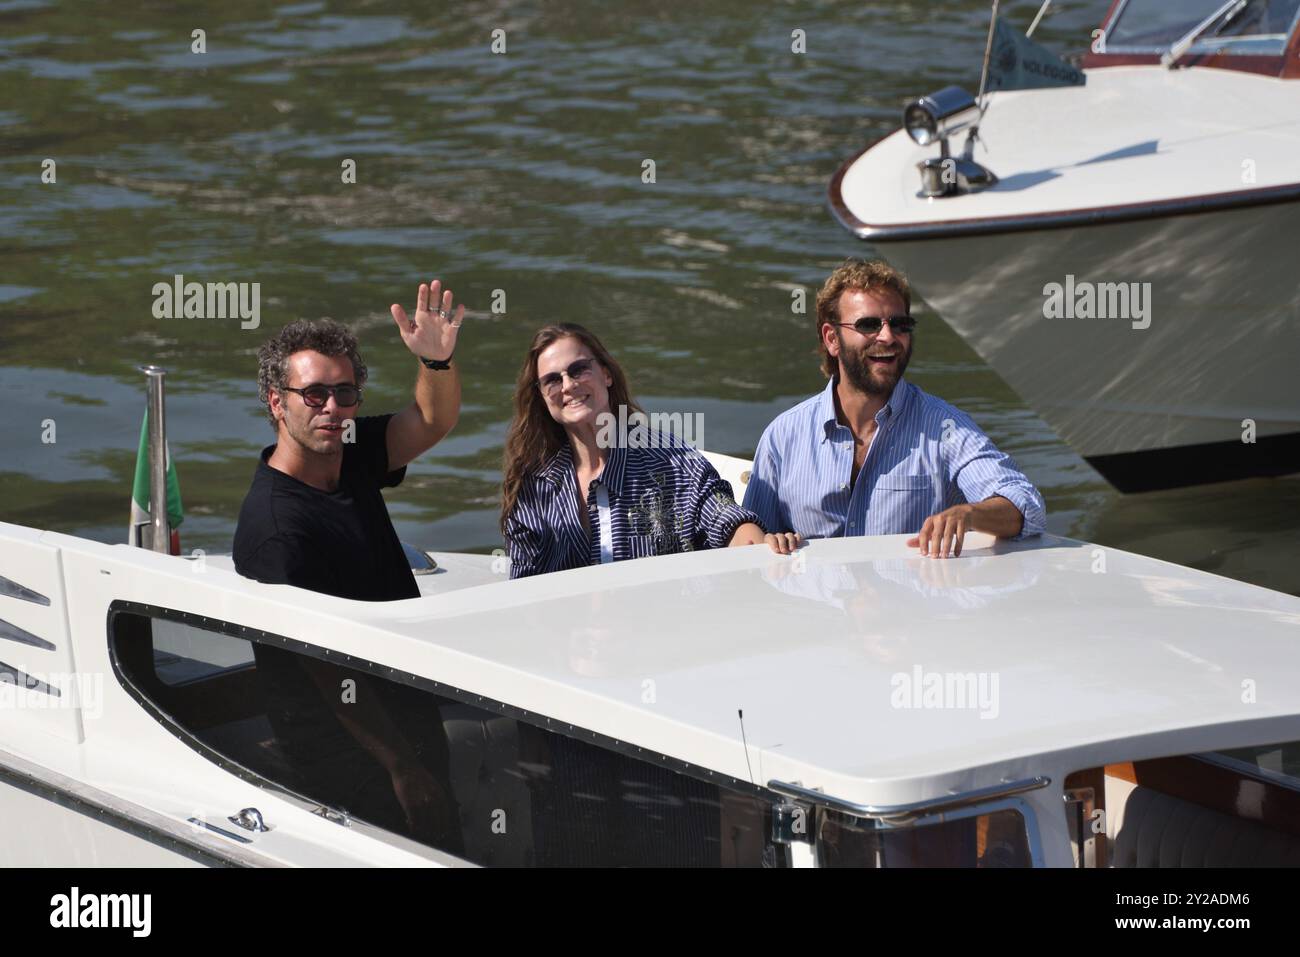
[(534, 436)]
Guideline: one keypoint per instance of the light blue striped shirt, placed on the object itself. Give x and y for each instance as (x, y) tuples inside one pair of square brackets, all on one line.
[(925, 456)]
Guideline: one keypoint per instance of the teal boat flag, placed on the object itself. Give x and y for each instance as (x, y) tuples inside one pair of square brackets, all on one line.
[(1018, 63)]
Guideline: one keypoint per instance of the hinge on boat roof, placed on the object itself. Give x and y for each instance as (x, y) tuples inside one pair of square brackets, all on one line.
[(791, 824)]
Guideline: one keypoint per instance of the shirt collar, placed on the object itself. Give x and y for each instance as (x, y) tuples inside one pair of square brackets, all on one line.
[(891, 410), (561, 465), (615, 466)]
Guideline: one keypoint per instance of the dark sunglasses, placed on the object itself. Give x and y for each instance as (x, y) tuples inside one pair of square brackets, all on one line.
[(576, 371), (870, 325), (315, 396)]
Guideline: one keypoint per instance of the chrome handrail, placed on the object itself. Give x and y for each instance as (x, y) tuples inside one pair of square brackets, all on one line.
[(898, 813)]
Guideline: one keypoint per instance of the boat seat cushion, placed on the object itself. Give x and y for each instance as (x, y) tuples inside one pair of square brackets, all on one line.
[(1159, 830)]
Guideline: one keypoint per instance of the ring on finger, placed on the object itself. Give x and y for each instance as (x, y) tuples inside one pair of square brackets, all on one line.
[(442, 313)]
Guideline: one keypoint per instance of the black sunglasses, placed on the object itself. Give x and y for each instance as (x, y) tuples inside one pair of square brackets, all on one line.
[(870, 325), (315, 396), (576, 371)]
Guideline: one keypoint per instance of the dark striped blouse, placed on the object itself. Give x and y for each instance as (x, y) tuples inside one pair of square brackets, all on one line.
[(659, 501)]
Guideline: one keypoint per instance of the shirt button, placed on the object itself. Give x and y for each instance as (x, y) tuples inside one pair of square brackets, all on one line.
[(844, 488)]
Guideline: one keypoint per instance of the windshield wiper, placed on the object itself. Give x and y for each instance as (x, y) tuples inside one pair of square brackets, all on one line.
[(1228, 12)]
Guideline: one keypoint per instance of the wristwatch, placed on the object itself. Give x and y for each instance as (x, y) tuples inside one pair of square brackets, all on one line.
[(436, 363)]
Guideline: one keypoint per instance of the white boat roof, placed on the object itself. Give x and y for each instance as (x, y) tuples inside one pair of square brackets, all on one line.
[(1132, 135), (1099, 655)]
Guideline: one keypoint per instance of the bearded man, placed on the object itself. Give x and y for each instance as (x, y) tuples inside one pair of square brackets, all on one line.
[(872, 454)]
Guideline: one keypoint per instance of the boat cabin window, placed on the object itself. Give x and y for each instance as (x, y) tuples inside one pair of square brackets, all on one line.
[(982, 838), (1237, 808), (1151, 26), (183, 653), (444, 768), (1277, 762)]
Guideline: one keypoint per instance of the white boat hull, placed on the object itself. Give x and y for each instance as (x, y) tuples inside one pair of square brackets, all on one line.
[(1181, 179), (1090, 657), (1215, 367)]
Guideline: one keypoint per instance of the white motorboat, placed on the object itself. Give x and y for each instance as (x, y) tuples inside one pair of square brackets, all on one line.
[(1128, 268), (1039, 703)]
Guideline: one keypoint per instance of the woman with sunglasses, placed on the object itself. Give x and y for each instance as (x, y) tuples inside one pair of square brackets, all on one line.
[(577, 493)]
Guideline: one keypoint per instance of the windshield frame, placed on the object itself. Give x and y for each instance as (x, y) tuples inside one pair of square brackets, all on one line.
[(1016, 803), (1244, 45), (1245, 768)]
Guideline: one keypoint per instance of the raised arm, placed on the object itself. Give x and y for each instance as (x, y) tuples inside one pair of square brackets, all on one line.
[(430, 334)]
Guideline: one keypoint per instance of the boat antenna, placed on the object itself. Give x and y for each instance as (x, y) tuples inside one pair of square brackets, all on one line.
[(745, 742), (984, 73), (1041, 10)]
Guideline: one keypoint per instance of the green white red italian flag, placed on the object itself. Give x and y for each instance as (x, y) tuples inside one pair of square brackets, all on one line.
[(141, 514)]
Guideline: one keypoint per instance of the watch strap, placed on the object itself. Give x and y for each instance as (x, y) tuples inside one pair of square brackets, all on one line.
[(437, 363)]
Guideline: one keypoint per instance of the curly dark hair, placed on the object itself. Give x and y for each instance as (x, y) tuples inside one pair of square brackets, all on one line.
[(867, 275), (325, 336)]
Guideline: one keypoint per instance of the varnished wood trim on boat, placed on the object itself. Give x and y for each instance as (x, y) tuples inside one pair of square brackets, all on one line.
[(1284, 65), (1122, 771), (1219, 788), (1239, 63)]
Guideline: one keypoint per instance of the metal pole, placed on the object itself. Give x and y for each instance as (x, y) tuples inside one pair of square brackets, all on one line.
[(158, 459), (988, 52), (1041, 10)]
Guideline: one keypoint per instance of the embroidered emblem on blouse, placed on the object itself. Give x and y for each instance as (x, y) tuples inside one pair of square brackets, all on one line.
[(654, 517)]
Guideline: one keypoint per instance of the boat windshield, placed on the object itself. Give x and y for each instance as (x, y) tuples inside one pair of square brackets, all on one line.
[(1261, 27), (983, 836)]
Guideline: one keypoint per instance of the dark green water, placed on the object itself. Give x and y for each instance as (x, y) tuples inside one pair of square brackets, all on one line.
[(519, 172)]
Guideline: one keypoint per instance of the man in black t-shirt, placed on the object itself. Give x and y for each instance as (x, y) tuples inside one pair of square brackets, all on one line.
[(314, 517), (340, 542)]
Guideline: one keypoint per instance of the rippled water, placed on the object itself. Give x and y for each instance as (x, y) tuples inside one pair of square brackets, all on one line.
[(518, 171)]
